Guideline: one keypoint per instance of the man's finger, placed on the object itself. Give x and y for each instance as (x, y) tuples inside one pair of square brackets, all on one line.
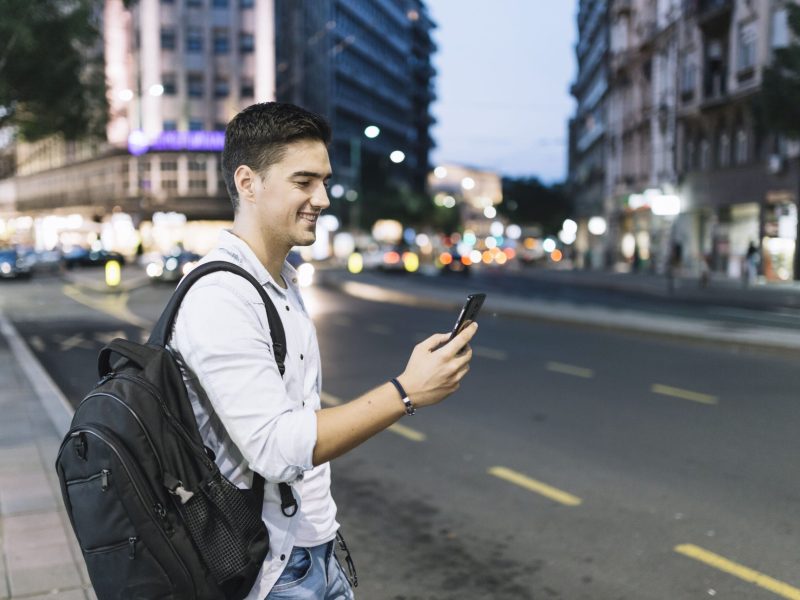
[(436, 340), (463, 338)]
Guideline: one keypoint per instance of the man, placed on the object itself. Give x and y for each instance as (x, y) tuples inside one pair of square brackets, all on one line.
[(276, 168)]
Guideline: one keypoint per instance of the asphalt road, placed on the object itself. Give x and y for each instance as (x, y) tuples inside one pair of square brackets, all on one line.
[(573, 464)]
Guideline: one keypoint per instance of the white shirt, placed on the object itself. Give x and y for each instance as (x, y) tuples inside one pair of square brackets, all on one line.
[(251, 417)]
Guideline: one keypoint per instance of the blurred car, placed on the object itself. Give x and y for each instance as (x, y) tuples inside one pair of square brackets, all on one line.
[(87, 257), (172, 267), (47, 261), (13, 264), (452, 263)]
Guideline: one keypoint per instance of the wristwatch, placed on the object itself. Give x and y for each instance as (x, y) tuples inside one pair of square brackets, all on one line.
[(410, 410)]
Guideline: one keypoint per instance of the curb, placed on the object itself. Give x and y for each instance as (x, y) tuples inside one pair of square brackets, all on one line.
[(50, 395), (676, 328)]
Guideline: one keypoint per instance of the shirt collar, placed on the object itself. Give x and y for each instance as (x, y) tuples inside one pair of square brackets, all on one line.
[(244, 256)]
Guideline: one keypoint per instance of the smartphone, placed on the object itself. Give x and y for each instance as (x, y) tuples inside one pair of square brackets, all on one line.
[(469, 312)]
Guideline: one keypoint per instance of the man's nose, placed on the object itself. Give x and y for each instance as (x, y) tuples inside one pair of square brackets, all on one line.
[(320, 198)]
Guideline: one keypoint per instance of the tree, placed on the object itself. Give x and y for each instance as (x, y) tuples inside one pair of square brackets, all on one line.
[(528, 201), (780, 97), (51, 68)]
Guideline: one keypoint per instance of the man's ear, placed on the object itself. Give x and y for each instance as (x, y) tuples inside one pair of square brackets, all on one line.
[(245, 180)]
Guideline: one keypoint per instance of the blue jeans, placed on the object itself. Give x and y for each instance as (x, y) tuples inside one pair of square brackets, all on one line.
[(312, 574)]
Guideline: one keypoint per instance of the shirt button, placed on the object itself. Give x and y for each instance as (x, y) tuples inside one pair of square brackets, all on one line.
[(283, 557), (287, 307), (294, 279), (301, 357)]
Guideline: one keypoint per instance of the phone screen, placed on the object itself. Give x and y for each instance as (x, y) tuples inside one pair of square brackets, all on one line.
[(469, 312)]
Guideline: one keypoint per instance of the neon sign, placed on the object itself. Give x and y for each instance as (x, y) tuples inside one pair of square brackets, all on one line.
[(171, 141)]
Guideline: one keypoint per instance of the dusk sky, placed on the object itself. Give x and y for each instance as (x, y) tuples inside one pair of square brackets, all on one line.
[(504, 71)]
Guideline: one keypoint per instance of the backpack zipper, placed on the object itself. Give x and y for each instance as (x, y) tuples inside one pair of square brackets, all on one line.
[(144, 494), (135, 416), (102, 475)]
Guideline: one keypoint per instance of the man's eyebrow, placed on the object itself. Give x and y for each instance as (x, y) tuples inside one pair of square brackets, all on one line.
[(311, 174)]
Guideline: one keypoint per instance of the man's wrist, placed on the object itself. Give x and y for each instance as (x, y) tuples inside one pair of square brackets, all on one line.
[(410, 409)]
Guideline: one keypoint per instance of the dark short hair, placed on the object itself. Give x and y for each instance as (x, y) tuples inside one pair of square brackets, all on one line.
[(259, 135)]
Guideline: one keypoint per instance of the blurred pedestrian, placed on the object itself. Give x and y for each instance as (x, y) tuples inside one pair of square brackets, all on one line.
[(752, 260), (705, 269), (276, 169), (674, 265)]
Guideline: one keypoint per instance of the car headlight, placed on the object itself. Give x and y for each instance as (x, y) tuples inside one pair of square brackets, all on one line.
[(154, 270), (187, 267), (5, 268), (171, 264)]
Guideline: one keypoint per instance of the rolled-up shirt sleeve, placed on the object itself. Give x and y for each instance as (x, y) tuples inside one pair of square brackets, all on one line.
[(224, 340)]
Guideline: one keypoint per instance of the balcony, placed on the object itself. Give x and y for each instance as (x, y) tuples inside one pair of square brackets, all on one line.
[(714, 15)]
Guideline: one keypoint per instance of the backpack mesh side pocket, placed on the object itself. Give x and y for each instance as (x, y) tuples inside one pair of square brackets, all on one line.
[(227, 530)]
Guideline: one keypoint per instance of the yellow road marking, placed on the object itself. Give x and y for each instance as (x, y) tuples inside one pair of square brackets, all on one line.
[(543, 489), (728, 566), (566, 369), (666, 390), (401, 430), (484, 352), (116, 306)]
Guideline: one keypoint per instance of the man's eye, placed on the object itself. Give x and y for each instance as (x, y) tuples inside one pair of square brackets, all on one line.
[(303, 182)]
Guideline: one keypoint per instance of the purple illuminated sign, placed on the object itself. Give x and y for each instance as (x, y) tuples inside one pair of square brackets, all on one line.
[(198, 141)]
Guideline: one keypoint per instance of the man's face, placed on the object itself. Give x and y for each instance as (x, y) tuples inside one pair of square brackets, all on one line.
[(292, 193)]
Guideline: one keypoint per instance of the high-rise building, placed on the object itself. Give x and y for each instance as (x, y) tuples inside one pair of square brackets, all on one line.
[(362, 63), (588, 128)]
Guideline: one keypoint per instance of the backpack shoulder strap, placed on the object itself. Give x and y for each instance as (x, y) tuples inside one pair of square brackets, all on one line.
[(163, 328)]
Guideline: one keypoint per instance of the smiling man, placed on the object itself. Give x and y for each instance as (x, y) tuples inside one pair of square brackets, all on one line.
[(276, 168)]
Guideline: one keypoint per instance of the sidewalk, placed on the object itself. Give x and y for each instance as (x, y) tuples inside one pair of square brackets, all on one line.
[(39, 557)]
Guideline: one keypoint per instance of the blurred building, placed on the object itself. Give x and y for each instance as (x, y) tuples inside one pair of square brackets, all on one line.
[(688, 166), (362, 63), (739, 183), (178, 70), (588, 129)]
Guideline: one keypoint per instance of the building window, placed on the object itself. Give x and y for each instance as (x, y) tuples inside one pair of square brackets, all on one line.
[(246, 3), (169, 184), (169, 165), (168, 81), (688, 82), (195, 125), (197, 165), (688, 159), (220, 126), (747, 46), (221, 41), (195, 85), (167, 38), (705, 155), (724, 150), (248, 88), (194, 39), (169, 126), (221, 87), (246, 42), (194, 3), (742, 154), (219, 3), (780, 28)]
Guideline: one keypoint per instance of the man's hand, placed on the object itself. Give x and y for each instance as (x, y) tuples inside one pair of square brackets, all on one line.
[(433, 374)]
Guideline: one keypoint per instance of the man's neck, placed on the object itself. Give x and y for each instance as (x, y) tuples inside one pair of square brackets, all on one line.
[(271, 258)]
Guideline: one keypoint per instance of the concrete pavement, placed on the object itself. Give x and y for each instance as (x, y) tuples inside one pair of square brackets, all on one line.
[(39, 556)]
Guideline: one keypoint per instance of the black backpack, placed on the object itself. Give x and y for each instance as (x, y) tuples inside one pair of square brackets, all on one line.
[(153, 515)]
